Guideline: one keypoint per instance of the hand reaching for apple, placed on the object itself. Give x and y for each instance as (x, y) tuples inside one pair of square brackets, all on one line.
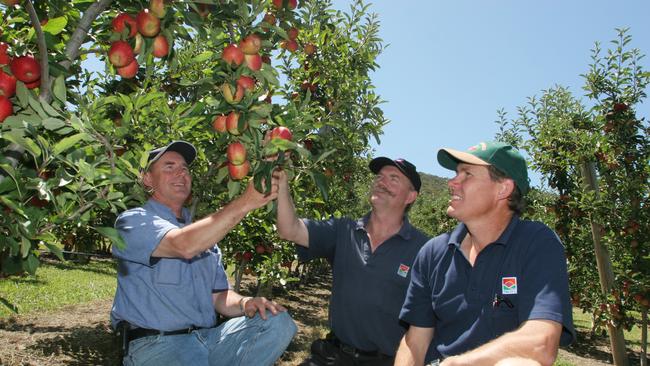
[(256, 199)]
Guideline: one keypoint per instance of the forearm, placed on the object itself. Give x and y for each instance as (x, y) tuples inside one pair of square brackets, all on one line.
[(197, 237), (536, 340), (290, 227), (413, 347), (229, 303)]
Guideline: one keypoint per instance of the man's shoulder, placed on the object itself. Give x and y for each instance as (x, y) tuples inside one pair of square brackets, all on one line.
[(537, 229)]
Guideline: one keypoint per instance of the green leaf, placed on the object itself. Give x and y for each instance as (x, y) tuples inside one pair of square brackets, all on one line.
[(321, 182), (59, 89), (54, 249), (29, 145), (23, 94), (36, 106), (54, 26), (204, 56), (112, 235), (233, 188), (31, 264), (53, 124), (67, 143), (25, 247)]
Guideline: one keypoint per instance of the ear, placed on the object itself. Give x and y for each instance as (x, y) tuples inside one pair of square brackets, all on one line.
[(506, 187), (146, 179), (411, 197)]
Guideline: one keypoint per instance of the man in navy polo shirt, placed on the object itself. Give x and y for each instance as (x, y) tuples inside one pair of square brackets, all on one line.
[(171, 279), (371, 260), (495, 289)]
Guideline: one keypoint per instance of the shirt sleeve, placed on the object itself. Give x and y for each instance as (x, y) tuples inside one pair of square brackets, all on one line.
[(142, 232), (417, 308), (546, 284), (322, 240), (220, 279)]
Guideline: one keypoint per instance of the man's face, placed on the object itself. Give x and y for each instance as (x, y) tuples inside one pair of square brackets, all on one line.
[(170, 179), (392, 188), (473, 193)]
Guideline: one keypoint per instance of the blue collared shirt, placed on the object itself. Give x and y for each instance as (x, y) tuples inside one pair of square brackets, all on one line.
[(521, 276), (368, 288), (162, 293)]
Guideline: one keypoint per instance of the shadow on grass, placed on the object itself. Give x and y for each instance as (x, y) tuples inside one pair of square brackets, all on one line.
[(95, 266), (597, 347), (82, 346)]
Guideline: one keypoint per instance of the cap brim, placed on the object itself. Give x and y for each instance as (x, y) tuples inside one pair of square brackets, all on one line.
[(377, 163), (187, 151), (449, 158)]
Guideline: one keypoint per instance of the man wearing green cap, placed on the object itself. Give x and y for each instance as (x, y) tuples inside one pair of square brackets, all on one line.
[(494, 290)]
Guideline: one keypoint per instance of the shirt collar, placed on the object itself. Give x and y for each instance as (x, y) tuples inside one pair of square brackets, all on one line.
[(167, 213), (458, 234)]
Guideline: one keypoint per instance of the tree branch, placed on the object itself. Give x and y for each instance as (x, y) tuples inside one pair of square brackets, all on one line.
[(46, 91), (79, 35)]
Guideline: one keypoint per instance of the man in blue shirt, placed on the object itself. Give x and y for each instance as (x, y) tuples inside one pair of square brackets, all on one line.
[(171, 279), (371, 260), (495, 289)]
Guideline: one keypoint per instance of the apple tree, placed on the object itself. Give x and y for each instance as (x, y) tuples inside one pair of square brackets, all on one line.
[(596, 160), (75, 139)]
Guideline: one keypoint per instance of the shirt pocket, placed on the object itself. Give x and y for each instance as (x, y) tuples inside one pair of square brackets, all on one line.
[(505, 318), (168, 272)]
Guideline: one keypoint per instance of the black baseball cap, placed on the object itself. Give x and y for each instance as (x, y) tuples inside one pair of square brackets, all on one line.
[(403, 165), (187, 151)]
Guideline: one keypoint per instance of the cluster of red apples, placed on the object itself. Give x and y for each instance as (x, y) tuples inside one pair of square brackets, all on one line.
[(131, 30), (25, 69)]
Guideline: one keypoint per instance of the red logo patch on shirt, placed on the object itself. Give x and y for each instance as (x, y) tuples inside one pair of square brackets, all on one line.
[(403, 270), (509, 285)]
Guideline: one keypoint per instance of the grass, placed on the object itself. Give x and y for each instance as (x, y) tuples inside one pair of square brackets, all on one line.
[(57, 284)]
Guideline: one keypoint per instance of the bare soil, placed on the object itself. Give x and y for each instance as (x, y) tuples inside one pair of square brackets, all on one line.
[(81, 334)]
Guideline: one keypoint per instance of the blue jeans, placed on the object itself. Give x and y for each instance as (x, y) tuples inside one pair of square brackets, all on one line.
[(239, 341)]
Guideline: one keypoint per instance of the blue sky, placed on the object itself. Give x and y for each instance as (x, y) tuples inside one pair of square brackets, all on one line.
[(450, 65)]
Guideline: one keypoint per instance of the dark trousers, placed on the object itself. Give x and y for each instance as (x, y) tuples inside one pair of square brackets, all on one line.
[(330, 352)]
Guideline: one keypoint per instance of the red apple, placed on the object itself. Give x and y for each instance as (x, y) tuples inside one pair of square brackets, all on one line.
[(120, 54), (219, 123), (269, 18), (148, 24), (7, 84), (251, 44), (238, 172), (259, 249), (310, 49), (246, 82), (5, 59), (25, 68), (6, 108), (266, 59), (620, 107), (157, 7), (129, 71), (232, 55), (281, 132), (160, 46), (278, 4), (292, 33), (10, 2), (232, 123), (247, 256), (125, 20), (289, 44), (292, 4), (253, 62), (33, 84), (227, 92), (139, 41), (236, 153)]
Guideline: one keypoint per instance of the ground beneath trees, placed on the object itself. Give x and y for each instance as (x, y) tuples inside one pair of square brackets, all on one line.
[(81, 335)]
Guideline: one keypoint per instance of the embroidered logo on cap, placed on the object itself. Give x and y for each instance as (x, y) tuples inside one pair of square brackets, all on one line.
[(509, 285), (403, 270)]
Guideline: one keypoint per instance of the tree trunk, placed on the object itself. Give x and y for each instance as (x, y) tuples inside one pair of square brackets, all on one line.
[(605, 272), (644, 337)]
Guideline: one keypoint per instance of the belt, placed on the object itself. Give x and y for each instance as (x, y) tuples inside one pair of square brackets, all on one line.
[(135, 333), (355, 352)]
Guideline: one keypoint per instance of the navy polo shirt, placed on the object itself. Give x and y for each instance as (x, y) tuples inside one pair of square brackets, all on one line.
[(525, 271), (162, 293), (368, 288)]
